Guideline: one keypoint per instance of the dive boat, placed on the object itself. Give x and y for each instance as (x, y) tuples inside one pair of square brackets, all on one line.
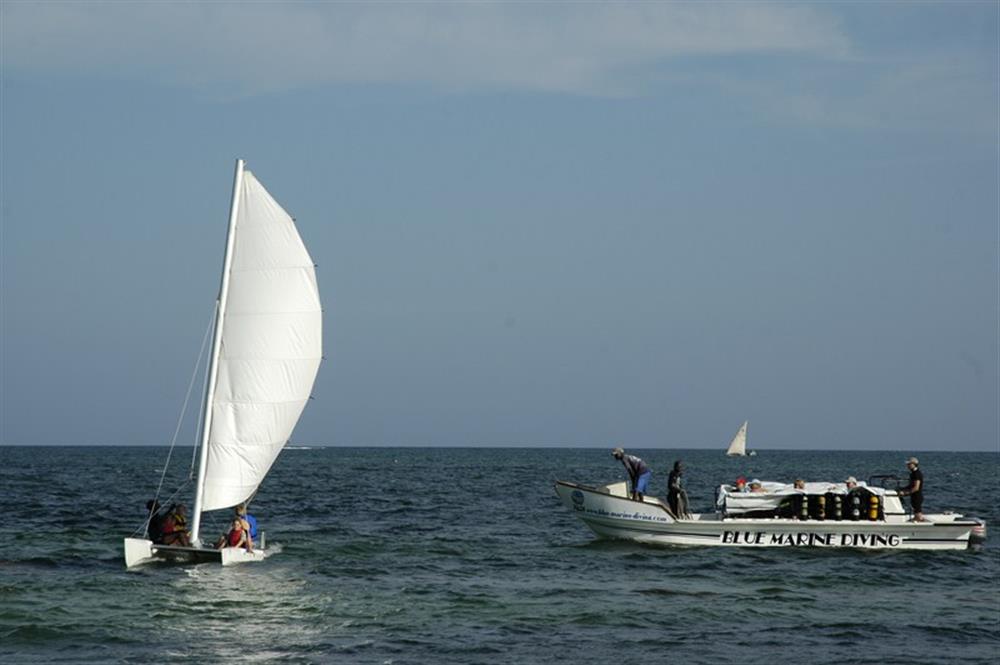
[(869, 516), (266, 352)]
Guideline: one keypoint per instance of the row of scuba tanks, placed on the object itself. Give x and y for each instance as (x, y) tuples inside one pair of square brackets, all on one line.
[(856, 506)]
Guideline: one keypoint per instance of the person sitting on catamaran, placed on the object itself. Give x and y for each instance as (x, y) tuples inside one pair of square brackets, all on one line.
[(154, 527), (236, 537), (175, 529), (638, 472), (250, 521)]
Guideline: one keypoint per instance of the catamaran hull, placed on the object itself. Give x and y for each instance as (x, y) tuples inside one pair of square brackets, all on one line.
[(649, 521), (139, 551)]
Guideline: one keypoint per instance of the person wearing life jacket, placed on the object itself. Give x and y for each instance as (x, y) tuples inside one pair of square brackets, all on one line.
[(250, 522), (175, 529), (237, 536)]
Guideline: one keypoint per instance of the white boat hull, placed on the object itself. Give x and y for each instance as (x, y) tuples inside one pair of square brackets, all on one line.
[(611, 514), (139, 551)]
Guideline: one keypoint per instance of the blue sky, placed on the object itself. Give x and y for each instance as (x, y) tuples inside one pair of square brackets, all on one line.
[(536, 224)]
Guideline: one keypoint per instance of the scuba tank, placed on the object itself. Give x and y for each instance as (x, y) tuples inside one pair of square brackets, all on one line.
[(854, 502), (873, 508), (836, 506), (804, 507), (821, 507)]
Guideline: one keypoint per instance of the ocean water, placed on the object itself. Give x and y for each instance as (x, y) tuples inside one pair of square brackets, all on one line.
[(438, 555)]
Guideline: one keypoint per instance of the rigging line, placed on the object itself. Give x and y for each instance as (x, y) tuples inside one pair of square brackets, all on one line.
[(201, 409), (180, 422)]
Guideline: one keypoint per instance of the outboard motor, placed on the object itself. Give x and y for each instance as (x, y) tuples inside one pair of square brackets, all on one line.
[(977, 538)]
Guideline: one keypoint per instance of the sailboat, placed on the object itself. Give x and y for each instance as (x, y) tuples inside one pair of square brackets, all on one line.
[(266, 352), (738, 446)]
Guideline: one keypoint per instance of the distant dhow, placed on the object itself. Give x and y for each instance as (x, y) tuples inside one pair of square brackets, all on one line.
[(738, 446)]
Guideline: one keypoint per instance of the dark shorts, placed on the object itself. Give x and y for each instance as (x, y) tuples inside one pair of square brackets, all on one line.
[(917, 502)]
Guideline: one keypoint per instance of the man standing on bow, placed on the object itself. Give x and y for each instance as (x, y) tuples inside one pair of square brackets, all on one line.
[(638, 472)]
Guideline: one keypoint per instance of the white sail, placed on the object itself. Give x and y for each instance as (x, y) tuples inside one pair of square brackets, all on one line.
[(738, 446), (270, 351)]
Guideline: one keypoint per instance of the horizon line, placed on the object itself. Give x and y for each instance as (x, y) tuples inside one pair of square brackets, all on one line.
[(497, 447)]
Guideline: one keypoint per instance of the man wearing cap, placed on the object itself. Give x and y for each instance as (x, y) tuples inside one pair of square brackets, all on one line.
[(915, 489), (638, 472)]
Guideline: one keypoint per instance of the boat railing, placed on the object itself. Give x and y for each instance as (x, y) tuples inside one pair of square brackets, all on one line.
[(885, 481)]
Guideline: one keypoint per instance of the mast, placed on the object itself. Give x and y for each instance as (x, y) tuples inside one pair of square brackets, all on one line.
[(213, 367)]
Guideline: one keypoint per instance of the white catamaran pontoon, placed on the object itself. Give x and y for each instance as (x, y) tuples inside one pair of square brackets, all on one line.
[(868, 516), (266, 351)]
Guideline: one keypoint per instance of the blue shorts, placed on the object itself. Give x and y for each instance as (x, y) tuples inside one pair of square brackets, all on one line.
[(643, 482)]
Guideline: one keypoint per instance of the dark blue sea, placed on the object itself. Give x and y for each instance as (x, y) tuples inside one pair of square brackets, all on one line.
[(442, 555)]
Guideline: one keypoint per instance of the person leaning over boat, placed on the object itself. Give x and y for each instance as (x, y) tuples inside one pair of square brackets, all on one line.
[(638, 472), (677, 497), (915, 490)]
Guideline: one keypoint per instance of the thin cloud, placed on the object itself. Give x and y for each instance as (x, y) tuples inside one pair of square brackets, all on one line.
[(257, 48), (788, 61), (946, 93)]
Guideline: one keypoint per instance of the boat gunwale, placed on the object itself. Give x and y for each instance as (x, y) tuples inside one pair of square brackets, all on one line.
[(720, 518)]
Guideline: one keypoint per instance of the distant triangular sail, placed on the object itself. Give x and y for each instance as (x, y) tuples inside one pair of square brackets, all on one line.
[(738, 446), (271, 348)]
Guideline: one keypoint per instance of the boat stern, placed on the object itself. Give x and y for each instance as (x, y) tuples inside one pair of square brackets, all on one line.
[(977, 536)]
